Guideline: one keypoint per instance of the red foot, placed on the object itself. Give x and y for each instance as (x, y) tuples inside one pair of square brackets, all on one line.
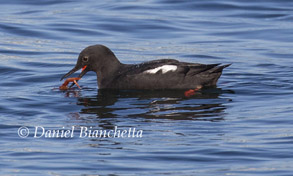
[(190, 92)]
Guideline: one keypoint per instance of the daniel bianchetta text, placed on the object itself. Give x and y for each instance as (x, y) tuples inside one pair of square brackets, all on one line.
[(86, 132)]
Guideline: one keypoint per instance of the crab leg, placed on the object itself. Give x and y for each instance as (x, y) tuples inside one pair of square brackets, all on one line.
[(67, 81), (75, 82)]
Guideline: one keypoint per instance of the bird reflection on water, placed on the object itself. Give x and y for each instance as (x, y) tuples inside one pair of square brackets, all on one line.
[(168, 104)]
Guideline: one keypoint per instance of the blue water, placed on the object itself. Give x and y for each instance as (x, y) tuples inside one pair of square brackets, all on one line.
[(242, 127)]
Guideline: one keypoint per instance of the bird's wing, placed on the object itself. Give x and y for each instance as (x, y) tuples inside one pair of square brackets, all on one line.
[(193, 70), (188, 69), (140, 68)]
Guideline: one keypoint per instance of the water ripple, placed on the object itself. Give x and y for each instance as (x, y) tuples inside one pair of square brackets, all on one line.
[(241, 127)]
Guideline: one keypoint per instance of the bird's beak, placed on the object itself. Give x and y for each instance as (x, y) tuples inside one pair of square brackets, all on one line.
[(83, 72)]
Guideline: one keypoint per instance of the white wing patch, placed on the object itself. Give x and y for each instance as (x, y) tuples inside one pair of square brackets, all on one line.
[(164, 68)]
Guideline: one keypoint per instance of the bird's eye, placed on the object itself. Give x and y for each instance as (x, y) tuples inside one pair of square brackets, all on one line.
[(85, 59)]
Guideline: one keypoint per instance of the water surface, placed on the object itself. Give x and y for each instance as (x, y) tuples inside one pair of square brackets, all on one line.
[(241, 127)]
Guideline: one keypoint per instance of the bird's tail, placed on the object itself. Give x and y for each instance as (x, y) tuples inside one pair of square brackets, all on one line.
[(219, 68), (215, 74)]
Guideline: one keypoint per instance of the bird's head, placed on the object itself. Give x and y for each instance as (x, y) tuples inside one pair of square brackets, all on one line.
[(97, 58)]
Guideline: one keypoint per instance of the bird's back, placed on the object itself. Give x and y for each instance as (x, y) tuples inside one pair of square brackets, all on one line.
[(166, 74)]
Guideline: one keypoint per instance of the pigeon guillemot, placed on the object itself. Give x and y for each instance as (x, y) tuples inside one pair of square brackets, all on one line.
[(156, 74)]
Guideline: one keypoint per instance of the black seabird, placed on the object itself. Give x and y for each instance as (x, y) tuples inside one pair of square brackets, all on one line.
[(156, 74)]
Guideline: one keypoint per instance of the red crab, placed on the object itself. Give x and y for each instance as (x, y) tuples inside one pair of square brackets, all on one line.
[(67, 81)]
